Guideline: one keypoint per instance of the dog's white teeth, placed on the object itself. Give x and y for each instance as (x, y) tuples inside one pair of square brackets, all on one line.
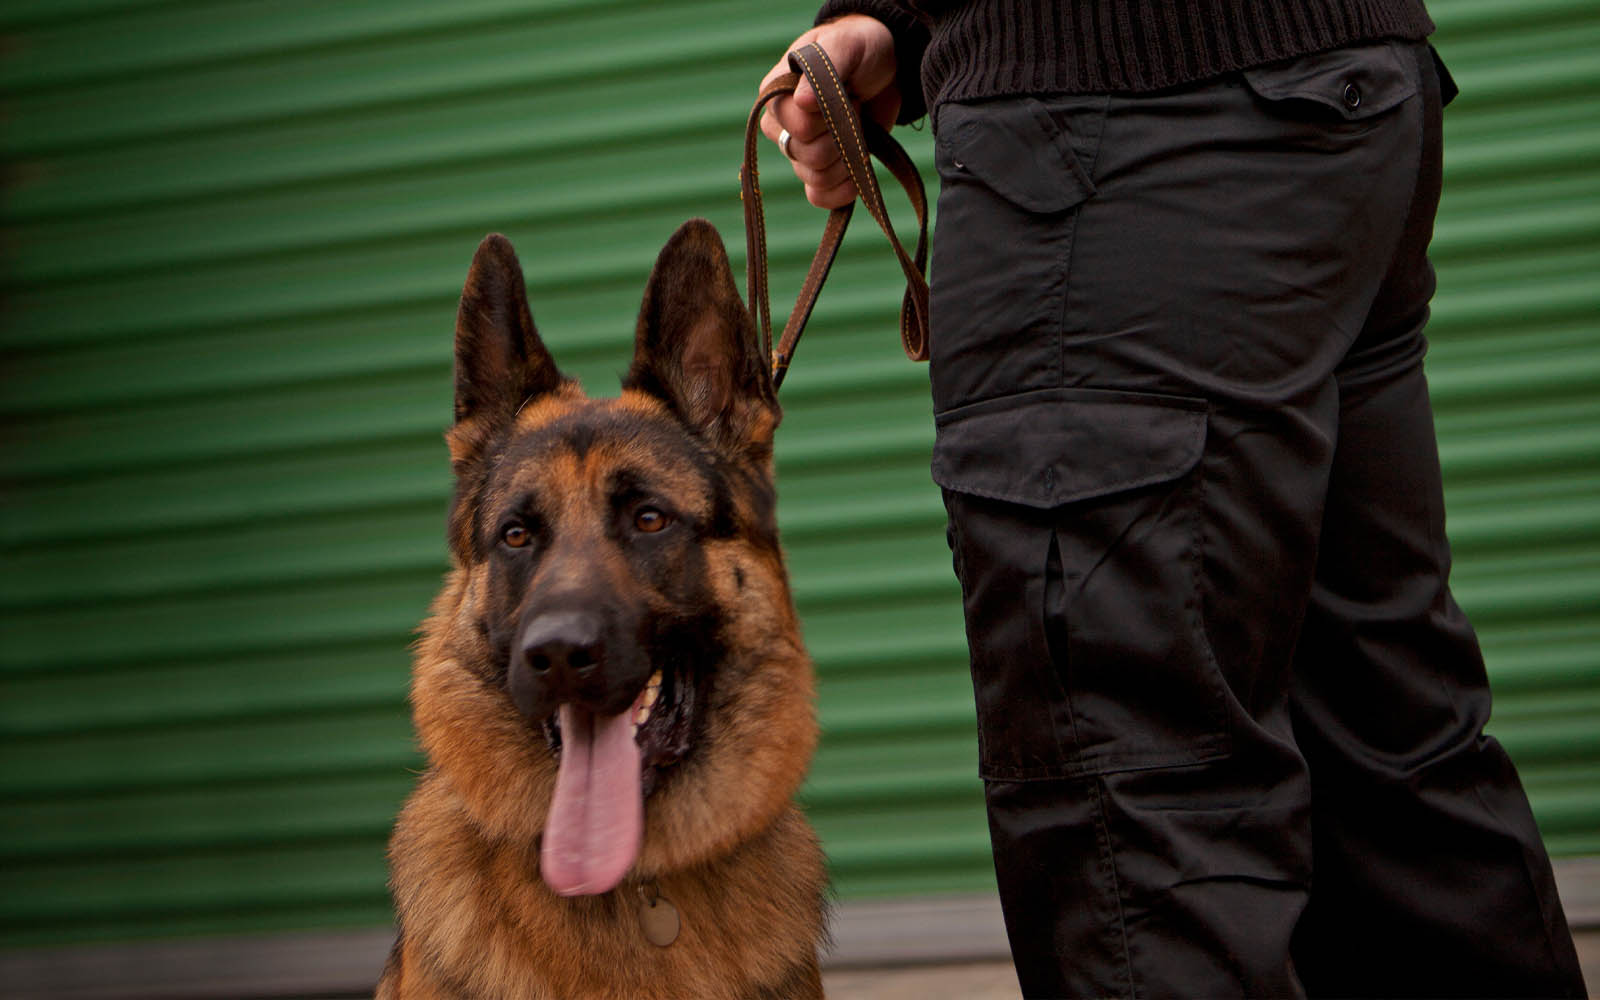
[(652, 692)]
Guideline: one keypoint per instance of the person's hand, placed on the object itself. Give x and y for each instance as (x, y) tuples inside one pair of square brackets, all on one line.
[(862, 50)]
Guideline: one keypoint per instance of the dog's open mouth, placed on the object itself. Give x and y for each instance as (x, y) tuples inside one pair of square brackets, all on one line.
[(608, 766), (660, 718)]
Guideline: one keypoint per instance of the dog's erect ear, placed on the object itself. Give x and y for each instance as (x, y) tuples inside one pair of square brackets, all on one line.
[(695, 347), (500, 361)]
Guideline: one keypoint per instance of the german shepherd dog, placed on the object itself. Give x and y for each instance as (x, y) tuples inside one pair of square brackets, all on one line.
[(611, 688)]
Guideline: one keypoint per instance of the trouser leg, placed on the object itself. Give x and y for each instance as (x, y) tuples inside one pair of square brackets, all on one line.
[(1138, 383), (1430, 876), (1428, 865)]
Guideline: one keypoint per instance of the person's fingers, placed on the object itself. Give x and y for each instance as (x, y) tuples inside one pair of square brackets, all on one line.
[(805, 97), (803, 120), (834, 197), (817, 164), (769, 125), (818, 154), (800, 123), (861, 49), (825, 179)]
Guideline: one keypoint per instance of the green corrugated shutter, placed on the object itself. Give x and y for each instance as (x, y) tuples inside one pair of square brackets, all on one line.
[(1515, 375), (233, 236)]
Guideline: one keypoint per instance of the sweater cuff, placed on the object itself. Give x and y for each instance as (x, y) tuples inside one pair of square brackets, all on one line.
[(910, 42)]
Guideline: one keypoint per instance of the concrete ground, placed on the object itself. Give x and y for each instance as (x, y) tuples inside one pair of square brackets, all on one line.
[(975, 981), (995, 980)]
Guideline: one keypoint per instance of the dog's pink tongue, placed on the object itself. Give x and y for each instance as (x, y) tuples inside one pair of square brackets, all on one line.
[(597, 815)]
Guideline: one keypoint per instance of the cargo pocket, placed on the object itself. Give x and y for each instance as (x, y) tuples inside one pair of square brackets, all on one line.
[(1345, 90), (1012, 174), (1074, 516)]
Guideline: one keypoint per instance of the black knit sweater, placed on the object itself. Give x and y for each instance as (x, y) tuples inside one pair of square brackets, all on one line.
[(994, 48)]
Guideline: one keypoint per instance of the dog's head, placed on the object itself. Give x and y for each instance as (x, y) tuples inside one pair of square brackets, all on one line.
[(614, 667)]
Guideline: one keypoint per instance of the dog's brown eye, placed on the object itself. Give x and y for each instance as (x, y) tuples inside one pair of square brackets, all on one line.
[(516, 536), (649, 520)]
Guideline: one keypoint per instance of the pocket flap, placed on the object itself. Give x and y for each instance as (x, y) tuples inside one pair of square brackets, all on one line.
[(1357, 82), (1054, 446), (1016, 148)]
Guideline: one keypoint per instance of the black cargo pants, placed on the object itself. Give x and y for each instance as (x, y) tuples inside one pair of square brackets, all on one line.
[(1230, 719)]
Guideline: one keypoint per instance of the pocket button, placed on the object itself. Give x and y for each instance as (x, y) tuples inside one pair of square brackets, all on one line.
[(1352, 96)]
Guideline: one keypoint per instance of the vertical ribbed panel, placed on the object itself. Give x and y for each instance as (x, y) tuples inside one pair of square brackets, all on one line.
[(234, 233)]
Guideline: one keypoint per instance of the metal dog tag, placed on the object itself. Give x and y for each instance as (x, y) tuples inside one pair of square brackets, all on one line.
[(659, 920)]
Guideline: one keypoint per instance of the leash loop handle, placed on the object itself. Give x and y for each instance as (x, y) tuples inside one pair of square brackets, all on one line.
[(859, 140)]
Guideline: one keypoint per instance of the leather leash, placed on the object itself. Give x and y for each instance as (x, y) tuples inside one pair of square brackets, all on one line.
[(858, 141)]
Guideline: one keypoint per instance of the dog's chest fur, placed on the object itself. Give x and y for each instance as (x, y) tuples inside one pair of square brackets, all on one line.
[(502, 936)]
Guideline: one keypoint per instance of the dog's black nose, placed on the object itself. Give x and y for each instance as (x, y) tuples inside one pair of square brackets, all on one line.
[(561, 656), (566, 642)]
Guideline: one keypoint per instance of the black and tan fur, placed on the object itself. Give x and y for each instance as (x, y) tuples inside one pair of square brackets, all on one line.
[(703, 596)]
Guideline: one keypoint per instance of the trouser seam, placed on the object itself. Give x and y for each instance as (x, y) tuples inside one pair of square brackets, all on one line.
[(1071, 242), (1109, 863)]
